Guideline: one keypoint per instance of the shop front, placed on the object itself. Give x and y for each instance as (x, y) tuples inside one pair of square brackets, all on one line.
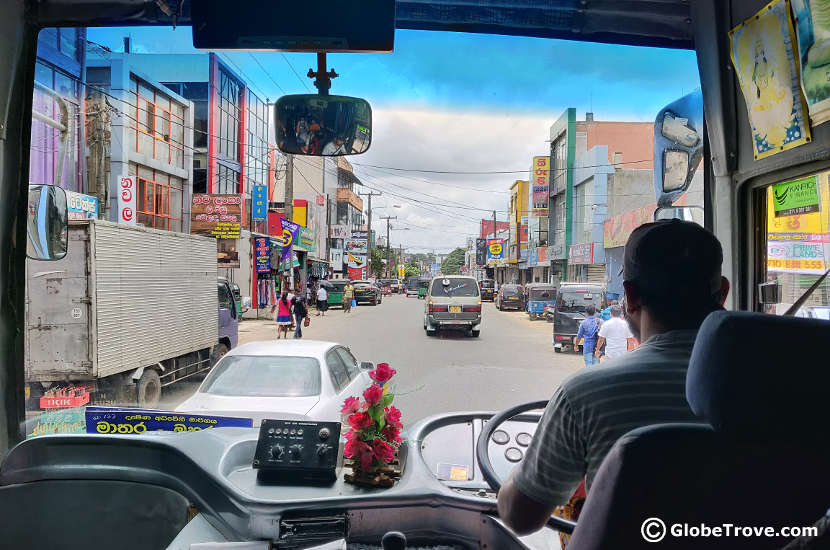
[(583, 265)]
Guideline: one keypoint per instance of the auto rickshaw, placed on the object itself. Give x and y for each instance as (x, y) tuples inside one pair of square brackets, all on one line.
[(335, 287), (423, 288), (572, 302), (539, 297)]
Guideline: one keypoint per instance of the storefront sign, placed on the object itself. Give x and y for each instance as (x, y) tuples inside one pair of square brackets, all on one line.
[(356, 246), (582, 253), (262, 253), (481, 251), (532, 257), (495, 251), (81, 207), (617, 229), (541, 188), (259, 203), (306, 240), (226, 253), (556, 252), (358, 234), (216, 215), (336, 258), (523, 230), (339, 232), (797, 257), (115, 420), (127, 190), (356, 261), (321, 200), (795, 197), (357, 274), (542, 255)]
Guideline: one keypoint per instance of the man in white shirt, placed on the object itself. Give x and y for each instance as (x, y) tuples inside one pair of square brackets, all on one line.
[(334, 147), (615, 333), (322, 300)]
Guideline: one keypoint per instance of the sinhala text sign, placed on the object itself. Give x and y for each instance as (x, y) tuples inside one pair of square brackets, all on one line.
[(216, 215)]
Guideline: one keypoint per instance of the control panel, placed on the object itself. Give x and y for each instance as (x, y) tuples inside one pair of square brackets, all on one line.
[(297, 451)]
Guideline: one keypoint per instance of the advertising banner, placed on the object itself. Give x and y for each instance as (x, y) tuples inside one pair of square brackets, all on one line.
[(541, 188), (306, 240), (226, 253), (259, 203), (580, 254), (116, 420), (336, 258), (796, 257), (542, 255), (339, 232), (481, 251), (127, 191), (81, 207), (355, 261), (532, 257), (356, 234), (795, 197), (616, 230), (523, 233), (216, 215), (401, 272), (262, 253), (495, 251), (356, 246), (356, 274)]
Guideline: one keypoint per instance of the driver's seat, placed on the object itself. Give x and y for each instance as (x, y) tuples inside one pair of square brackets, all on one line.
[(763, 383)]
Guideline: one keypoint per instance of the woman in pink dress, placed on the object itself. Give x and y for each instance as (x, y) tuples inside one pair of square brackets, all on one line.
[(283, 308)]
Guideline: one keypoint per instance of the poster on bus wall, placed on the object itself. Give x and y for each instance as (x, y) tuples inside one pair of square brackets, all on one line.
[(812, 25), (798, 226)]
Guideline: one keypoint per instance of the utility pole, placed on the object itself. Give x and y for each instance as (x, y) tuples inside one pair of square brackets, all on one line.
[(495, 234), (289, 187), (370, 194), (387, 218)]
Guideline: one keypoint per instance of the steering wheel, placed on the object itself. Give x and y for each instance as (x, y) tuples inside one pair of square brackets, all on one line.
[(483, 456)]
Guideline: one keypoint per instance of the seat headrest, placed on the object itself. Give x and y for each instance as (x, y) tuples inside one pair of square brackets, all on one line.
[(762, 377)]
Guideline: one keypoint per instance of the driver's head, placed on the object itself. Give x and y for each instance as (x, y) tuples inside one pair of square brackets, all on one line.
[(672, 277)]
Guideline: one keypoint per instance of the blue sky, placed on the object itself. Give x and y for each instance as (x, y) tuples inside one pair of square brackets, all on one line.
[(456, 101)]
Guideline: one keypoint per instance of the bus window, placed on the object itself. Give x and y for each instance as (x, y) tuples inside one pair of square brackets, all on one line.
[(798, 243)]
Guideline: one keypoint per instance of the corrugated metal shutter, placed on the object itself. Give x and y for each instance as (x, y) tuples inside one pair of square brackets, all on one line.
[(156, 295), (596, 274)]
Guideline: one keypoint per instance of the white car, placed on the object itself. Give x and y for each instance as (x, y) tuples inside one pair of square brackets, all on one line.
[(300, 379)]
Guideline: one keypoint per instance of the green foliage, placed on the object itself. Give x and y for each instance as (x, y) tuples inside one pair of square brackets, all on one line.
[(376, 262), (453, 262), (412, 269)]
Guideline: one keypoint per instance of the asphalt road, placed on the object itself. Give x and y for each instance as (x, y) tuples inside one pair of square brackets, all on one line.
[(511, 362)]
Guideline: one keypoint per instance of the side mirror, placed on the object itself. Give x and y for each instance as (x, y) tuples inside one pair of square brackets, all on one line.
[(323, 125), (366, 365), (686, 213), (678, 147), (47, 227), (769, 293)]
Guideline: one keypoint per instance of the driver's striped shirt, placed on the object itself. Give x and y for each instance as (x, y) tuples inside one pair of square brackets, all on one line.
[(595, 407)]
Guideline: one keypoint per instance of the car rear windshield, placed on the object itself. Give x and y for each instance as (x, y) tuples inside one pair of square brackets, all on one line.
[(543, 294), (454, 288), (264, 376), (576, 302), (512, 290)]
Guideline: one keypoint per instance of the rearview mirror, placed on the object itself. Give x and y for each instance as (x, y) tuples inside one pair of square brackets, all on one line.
[(685, 213), (323, 125), (678, 147), (769, 293), (46, 226)]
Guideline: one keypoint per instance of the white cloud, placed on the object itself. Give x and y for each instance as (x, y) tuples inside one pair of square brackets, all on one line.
[(448, 141)]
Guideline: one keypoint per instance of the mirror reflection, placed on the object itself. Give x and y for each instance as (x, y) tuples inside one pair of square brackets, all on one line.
[(46, 226), (678, 130), (675, 170), (685, 213), (323, 125)]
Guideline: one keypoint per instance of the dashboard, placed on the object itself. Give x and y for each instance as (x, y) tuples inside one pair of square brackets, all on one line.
[(192, 488)]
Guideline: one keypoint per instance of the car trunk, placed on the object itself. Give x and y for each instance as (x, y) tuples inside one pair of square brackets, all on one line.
[(209, 403)]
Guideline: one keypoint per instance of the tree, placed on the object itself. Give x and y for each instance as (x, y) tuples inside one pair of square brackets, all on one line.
[(377, 262), (412, 269), (453, 262)]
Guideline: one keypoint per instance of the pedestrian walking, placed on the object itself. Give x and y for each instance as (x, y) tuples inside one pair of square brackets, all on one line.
[(588, 330), (283, 309), (614, 334), (300, 311), (322, 300), (348, 296)]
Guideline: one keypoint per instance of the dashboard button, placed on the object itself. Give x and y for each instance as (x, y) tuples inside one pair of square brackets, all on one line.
[(513, 454), (524, 439), (501, 437)]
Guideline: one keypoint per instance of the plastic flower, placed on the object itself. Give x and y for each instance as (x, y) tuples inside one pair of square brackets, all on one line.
[(382, 450), (351, 434), (391, 434), (373, 394), (393, 417), (350, 405), (355, 448), (382, 373), (360, 421)]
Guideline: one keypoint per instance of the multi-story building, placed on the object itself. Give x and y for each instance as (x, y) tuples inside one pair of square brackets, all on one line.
[(56, 156), (148, 134), (518, 214), (584, 156)]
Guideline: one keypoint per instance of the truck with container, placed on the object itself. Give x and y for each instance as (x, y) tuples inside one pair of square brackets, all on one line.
[(127, 312)]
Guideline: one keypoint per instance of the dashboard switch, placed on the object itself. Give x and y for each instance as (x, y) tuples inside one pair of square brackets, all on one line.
[(277, 451)]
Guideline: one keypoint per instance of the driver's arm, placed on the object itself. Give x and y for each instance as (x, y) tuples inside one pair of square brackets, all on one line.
[(552, 469)]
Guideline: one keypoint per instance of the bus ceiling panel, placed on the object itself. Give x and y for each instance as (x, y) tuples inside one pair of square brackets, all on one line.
[(663, 23)]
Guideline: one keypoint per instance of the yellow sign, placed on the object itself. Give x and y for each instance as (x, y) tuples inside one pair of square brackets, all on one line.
[(495, 248), (814, 222)]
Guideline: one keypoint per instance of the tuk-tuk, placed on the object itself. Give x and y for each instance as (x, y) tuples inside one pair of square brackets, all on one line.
[(237, 298), (423, 287), (539, 297), (334, 287), (572, 299), (488, 289)]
